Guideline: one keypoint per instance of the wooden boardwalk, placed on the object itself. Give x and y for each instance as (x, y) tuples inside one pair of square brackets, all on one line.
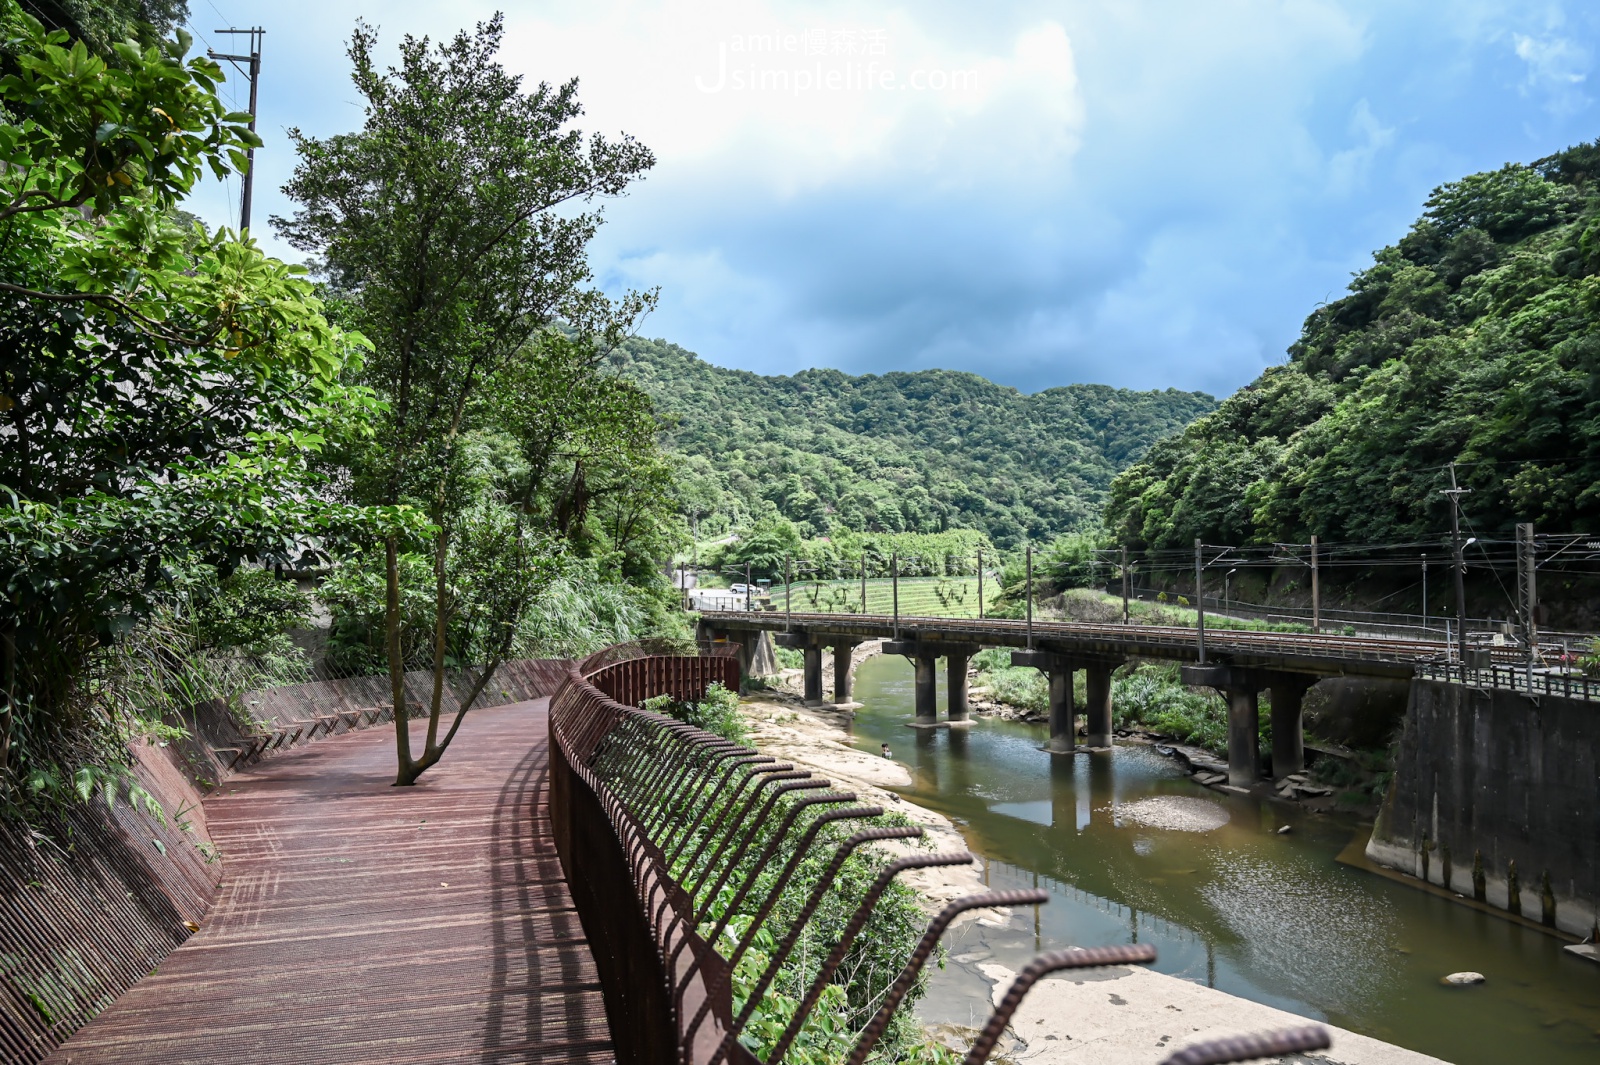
[(360, 923)]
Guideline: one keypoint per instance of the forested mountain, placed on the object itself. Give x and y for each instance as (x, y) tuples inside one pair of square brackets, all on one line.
[(1475, 340), (914, 452)]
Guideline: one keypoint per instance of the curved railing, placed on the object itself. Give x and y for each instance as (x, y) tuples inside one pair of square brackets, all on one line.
[(656, 819)]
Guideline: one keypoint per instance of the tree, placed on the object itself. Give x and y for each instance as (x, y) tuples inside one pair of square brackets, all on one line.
[(103, 23), (772, 540), (1471, 341), (161, 389), (448, 232)]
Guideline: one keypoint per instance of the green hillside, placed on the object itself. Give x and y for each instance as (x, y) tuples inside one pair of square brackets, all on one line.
[(1475, 340), (913, 452)]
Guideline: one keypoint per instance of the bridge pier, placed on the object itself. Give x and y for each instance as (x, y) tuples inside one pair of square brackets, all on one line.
[(925, 655), (1063, 717), (842, 680), (813, 674), (754, 646), (1097, 694), (1288, 692), (926, 687), (956, 683), (1244, 736), (1241, 687)]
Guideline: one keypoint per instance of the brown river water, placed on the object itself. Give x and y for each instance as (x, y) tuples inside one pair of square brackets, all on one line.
[(1265, 916)]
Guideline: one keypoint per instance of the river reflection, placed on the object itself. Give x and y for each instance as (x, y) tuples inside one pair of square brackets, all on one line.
[(1234, 904)]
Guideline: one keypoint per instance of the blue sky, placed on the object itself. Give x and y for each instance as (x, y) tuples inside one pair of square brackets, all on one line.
[(1143, 193)]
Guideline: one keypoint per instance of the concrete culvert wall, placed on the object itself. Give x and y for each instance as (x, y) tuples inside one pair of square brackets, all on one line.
[(1497, 796), (1359, 712)]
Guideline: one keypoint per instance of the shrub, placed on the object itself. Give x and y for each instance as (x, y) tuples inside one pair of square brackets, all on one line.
[(1153, 696), (718, 712)]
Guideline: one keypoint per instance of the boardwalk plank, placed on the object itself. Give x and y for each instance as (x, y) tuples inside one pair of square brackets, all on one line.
[(359, 923)]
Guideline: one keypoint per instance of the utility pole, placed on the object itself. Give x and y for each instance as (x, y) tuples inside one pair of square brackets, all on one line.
[(894, 586), (747, 587), (252, 71), (980, 582), (1029, 593), (1424, 595), (1200, 599), (863, 582), (1455, 493), (1316, 592), (1527, 593), (788, 596), (1124, 585)]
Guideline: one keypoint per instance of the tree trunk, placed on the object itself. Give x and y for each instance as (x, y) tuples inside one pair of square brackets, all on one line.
[(440, 617), (397, 670)]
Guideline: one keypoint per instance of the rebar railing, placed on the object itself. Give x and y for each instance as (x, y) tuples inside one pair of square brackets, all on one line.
[(664, 832)]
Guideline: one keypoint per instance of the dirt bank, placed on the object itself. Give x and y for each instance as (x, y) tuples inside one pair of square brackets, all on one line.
[(818, 740)]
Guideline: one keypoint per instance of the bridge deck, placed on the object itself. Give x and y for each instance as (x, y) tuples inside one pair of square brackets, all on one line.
[(363, 923), (1325, 653)]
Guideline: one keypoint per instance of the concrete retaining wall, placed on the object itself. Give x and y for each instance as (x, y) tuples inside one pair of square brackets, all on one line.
[(1497, 796), (96, 905)]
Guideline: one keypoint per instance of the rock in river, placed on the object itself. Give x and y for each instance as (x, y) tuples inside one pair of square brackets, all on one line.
[(1462, 979)]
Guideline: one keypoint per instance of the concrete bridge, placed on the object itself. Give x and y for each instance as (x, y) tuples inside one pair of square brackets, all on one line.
[(1238, 664)]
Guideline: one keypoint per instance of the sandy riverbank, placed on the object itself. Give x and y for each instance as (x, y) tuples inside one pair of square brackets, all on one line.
[(1124, 1016)]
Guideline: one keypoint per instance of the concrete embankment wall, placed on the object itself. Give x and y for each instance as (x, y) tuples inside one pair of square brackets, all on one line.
[(1497, 796), (98, 901)]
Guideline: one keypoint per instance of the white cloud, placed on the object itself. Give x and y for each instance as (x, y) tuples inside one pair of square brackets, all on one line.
[(1348, 170), (1136, 192), (1557, 68)]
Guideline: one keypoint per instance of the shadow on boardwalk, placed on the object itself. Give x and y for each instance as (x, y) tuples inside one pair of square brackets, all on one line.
[(362, 923)]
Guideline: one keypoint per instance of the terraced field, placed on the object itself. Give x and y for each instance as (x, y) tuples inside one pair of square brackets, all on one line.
[(929, 597)]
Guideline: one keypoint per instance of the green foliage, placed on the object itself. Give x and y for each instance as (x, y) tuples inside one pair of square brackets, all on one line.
[(911, 554), (1020, 686), (789, 657), (1475, 340), (771, 541), (1153, 696), (581, 612), (451, 230), (163, 389), (103, 23), (870, 965), (717, 712), (138, 126), (903, 452), (249, 608), (929, 597)]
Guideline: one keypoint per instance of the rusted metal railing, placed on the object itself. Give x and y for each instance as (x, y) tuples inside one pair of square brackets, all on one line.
[(664, 831)]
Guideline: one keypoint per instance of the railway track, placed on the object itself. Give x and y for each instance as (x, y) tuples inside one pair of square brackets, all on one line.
[(1137, 640)]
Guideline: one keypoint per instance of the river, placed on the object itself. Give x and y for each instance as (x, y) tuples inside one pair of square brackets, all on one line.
[(1267, 916)]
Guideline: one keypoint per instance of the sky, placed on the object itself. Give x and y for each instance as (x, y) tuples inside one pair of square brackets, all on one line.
[(1140, 193)]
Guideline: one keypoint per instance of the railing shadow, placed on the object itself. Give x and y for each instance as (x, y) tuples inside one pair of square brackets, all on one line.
[(543, 985)]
